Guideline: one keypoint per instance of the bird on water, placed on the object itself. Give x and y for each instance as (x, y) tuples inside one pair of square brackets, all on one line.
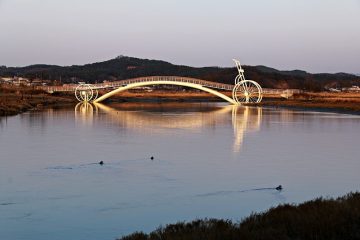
[(101, 162), (279, 188)]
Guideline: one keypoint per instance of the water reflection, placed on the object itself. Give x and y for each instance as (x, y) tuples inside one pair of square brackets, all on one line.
[(3, 121), (84, 112), (50, 182), (132, 116), (244, 120)]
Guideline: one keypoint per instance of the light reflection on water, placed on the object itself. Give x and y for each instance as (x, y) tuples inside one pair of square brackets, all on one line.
[(211, 160), (244, 119)]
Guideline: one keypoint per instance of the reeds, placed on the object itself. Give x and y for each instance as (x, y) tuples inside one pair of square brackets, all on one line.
[(319, 219)]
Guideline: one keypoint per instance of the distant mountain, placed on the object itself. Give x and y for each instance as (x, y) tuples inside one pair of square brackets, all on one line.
[(124, 67), (265, 69)]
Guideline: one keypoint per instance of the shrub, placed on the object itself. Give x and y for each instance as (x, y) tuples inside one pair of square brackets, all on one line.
[(320, 219)]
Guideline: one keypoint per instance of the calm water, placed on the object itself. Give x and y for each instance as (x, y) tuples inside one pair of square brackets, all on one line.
[(209, 159)]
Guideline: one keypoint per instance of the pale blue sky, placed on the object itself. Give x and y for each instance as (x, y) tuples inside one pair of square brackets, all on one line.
[(313, 35)]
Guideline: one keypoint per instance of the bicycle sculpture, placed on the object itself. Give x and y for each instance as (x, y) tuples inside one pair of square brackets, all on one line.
[(85, 92), (245, 91)]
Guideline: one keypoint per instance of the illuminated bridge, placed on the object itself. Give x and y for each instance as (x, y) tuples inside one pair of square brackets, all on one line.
[(204, 85), (122, 83), (243, 91)]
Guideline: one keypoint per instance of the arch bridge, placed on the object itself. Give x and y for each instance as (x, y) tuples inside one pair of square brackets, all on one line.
[(123, 85), (243, 91), (203, 85)]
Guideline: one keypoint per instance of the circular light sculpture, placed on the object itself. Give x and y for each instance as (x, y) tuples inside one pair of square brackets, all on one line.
[(85, 92), (245, 91)]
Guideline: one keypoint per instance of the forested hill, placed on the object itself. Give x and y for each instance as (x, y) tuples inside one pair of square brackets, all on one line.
[(124, 67)]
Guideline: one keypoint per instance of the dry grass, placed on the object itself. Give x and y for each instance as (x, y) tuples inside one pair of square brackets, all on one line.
[(342, 102), (14, 100)]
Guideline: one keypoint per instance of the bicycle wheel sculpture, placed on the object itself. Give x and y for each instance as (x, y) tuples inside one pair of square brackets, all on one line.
[(245, 91), (85, 93)]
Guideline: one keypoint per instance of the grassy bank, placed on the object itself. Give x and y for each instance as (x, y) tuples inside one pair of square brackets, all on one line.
[(320, 219), (335, 102), (15, 100)]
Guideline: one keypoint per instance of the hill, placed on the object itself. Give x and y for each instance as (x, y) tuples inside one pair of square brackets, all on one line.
[(124, 67)]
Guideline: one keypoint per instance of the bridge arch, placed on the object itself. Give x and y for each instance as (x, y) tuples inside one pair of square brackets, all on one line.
[(165, 82)]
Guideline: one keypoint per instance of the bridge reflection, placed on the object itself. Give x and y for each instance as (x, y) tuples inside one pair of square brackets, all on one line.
[(156, 117)]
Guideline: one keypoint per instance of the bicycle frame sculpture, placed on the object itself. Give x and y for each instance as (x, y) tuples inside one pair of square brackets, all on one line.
[(245, 91)]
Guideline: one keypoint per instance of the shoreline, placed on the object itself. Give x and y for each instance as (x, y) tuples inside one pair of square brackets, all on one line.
[(16, 101), (321, 102), (318, 107), (347, 103)]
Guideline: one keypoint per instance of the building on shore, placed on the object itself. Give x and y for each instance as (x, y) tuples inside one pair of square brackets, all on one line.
[(15, 81), (352, 89), (20, 81)]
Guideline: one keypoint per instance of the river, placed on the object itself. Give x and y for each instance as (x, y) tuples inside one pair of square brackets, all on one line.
[(210, 160)]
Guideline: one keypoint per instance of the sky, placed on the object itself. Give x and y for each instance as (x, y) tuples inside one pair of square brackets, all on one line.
[(312, 35)]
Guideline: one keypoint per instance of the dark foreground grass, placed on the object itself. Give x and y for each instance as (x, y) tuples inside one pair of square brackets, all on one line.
[(319, 219)]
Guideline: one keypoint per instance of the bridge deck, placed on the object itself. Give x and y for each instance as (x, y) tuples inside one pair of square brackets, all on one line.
[(121, 83)]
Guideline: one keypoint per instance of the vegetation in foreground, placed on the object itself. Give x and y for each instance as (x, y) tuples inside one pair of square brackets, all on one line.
[(14, 100), (320, 219)]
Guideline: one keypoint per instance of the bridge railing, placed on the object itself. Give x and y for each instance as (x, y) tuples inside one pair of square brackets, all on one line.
[(280, 91), (121, 83), (165, 78)]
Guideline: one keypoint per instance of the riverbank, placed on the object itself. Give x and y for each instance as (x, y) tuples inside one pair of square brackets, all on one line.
[(319, 219), (15, 100), (330, 102)]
